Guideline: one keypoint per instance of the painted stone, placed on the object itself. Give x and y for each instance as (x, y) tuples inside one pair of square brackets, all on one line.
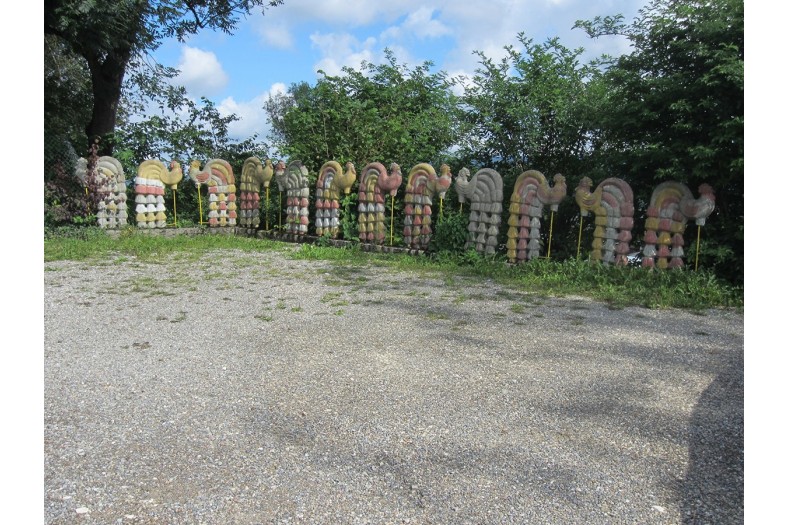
[(295, 180), (671, 206), (374, 182), (218, 176), (612, 203), (423, 184), (152, 177), (331, 182), (485, 193), (110, 183), (530, 195)]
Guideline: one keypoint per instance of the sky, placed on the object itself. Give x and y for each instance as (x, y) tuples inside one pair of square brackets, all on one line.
[(290, 43)]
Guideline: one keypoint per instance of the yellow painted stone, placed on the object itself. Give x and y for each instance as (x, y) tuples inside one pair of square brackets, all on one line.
[(678, 227)]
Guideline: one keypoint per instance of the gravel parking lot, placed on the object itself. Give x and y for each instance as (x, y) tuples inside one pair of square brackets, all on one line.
[(250, 388)]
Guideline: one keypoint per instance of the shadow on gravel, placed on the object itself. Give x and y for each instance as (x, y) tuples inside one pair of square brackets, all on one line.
[(713, 489)]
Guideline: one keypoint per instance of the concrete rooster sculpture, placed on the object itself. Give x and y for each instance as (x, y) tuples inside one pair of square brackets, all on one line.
[(672, 205), (374, 183), (612, 203), (218, 176), (530, 195)]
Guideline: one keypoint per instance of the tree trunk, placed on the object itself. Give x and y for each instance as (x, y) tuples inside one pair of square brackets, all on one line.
[(107, 80)]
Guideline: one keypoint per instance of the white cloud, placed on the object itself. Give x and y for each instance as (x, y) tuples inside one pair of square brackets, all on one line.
[(280, 25), (201, 72), (253, 118), (418, 24), (421, 24), (277, 36), (340, 50), (485, 26)]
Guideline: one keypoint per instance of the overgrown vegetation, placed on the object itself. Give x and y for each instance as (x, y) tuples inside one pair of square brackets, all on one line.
[(618, 286)]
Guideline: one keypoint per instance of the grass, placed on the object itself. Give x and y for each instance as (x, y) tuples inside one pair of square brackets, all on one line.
[(540, 279), (517, 308), (93, 244)]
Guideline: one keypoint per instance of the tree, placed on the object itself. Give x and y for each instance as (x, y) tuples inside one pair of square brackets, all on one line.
[(675, 110), (529, 110), (384, 112), (111, 35), (67, 94), (535, 109)]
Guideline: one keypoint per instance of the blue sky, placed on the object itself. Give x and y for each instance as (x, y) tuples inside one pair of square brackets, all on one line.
[(291, 42)]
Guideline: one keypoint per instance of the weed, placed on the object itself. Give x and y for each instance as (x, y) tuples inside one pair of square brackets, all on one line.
[(435, 316), (517, 308), (330, 296), (461, 298)]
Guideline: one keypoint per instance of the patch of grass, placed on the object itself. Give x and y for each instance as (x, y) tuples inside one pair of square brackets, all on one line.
[(330, 296), (433, 315), (517, 308), (95, 243), (296, 309), (280, 305), (264, 317), (617, 286), (460, 298)]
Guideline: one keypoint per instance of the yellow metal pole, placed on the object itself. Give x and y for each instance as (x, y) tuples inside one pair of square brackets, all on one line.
[(697, 249), (174, 207), (280, 211), (580, 236), (266, 208), (199, 200), (550, 237), (391, 230), (441, 208)]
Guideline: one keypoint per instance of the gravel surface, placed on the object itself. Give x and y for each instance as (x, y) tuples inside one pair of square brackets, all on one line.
[(248, 388)]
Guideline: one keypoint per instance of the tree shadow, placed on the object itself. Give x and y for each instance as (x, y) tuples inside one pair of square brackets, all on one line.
[(713, 488)]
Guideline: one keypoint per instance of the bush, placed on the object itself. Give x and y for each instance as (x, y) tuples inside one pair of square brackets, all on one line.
[(450, 235)]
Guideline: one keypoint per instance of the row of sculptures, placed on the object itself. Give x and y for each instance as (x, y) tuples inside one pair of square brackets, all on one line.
[(611, 203)]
